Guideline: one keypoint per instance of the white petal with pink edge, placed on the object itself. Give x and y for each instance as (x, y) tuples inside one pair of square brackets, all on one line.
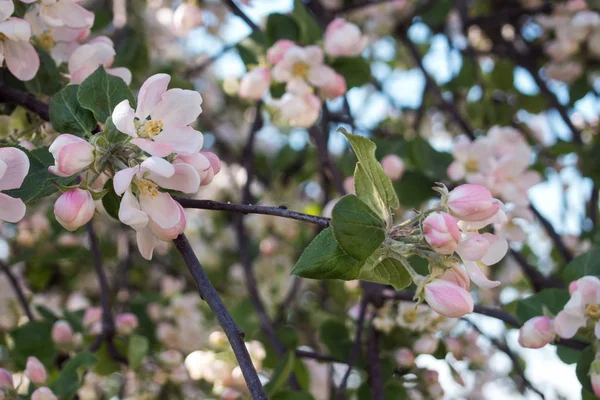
[(17, 167), (151, 94), (11, 209)]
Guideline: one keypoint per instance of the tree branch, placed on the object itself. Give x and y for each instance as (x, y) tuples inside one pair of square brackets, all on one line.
[(237, 11), (360, 323), (17, 289), (25, 100), (234, 334), (374, 365)]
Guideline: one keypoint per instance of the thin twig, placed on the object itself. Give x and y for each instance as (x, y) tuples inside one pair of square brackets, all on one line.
[(354, 353), (237, 11), (374, 365), (17, 289), (326, 164), (234, 334)]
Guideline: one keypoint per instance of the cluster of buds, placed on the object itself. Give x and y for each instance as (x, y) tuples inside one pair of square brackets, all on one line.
[(309, 80), (159, 150), (37, 375)]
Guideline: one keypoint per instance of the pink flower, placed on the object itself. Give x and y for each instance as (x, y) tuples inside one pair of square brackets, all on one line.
[(160, 124), (35, 371), (74, 208), (393, 166), (537, 332), (481, 250), (206, 164), (92, 316), (62, 333), (334, 87), (88, 57), (71, 155), (21, 58), (583, 305), (186, 17), (57, 13), (14, 166), (300, 110), (441, 232), (471, 202), (43, 393), (6, 381), (255, 83), (126, 323), (343, 38), (276, 52), (404, 358), (595, 376), (425, 345), (458, 276), (448, 299), (303, 64)]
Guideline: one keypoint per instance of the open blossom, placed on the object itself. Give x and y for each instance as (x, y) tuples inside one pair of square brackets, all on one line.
[(582, 307), (343, 38), (58, 13), (300, 110), (6, 380), (276, 52), (537, 332), (35, 371), (14, 166), (441, 232), (71, 155), (303, 64), (43, 393), (21, 58), (448, 299), (255, 83), (88, 57), (74, 208), (160, 124), (334, 87), (425, 345)]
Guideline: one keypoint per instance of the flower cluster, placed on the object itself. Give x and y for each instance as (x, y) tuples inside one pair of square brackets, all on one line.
[(499, 161), (308, 79), (161, 151)]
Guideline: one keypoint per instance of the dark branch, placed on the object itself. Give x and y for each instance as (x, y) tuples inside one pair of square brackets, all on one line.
[(374, 365), (231, 329), (17, 289), (360, 323), (25, 100), (237, 11), (556, 239)]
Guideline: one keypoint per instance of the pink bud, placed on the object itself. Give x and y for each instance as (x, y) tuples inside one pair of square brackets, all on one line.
[(35, 371), (43, 393), (458, 276), (334, 87), (454, 346), (393, 166), (537, 332), (92, 316), (441, 232), (431, 376), (74, 209), (126, 323), (425, 345), (207, 164), (349, 184), (6, 381), (171, 358), (405, 358), (448, 299), (343, 38), (255, 83), (472, 202), (62, 333), (71, 155), (278, 50)]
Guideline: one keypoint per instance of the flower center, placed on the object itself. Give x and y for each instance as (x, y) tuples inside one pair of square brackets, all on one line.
[(45, 41), (147, 188), (3, 36), (300, 69), (410, 316), (593, 311), (472, 165), (150, 129)]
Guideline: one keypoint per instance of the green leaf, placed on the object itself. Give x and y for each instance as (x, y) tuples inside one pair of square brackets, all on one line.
[(551, 299), (355, 70), (388, 271), (357, 229), (568, 355), (431, 162), (137, 350), (578, 89), (281, 26), (106, 363), (502, 76), (291, 395), (437, 12), (281, 374), (247, 55), (132, 50), (101, 92), (584, 264), (583, 368), (39, 181), (48, 79), (32, 339), (413, 189), (534, 104), (277, 90), (111, 201), (336, 338), (70, 378), (324, 259), (372, 185), (310, 31), (67, 116)]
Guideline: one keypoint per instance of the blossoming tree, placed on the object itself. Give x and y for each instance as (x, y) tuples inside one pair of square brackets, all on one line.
[(310, 227)]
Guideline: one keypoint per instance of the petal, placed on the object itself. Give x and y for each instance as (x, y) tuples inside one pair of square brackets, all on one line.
[(4, 167), (151, 94), (178, 107), (121, 72), (122, 179), (11, 209), (51, 14), (16, 29), (567, 324), (162, 209), (91, 56), (497, 250), (130, 212), (21, 59), (123, 118), (186, 179), (473, 248), (82, 73), (146, 242), (17, 164), (159, 166), (153, 148), (73, 15), (183, 140), (74, 157), (478, 277), (6, 9)]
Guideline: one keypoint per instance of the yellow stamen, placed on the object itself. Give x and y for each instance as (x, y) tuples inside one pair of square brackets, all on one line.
[(472, 165), (3, 36), (150, 128), (592, 311), (410, 316), (45, 41), (300, 69), (147, 188)]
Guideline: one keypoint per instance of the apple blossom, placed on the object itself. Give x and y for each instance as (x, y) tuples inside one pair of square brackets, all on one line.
[(404, 358), (171, 358), (43, 393), (35, 371), (126, 323), (255, 83), (160, 124), (567, 71), (300, 110), (74, 208), (92, 316), (88, 57), (343, 38), (537, 332), (276, 52), (334, 87), (21, 58), (186, 17), (393, 166), (57, 13), (303, 64), (425, 345), (6, 380), (441, 232), (471, 202), (71, 155), (448, 299), (14, 166), (62, 333), (584, 305)]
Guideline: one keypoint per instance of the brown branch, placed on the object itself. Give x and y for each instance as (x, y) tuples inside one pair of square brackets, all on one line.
[(374, 365), (25, 100), (237, 11), (17, 289)]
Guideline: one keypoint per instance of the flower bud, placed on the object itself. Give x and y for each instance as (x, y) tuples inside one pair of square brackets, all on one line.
[(278, 50), (126, 323), (71, 155), (255, 83), (207, 165), (334, 87), (425, 345), (537, 332), (35, 371), (454, 346), (6, 380), (457, 275), (393, 166), (92, 316), (74, 209), (441, 232), (300, 111), (171, 358), (431, 376), (43, 393), (448, 299), (405, 358), (62, 333), (471, 202), (343, 38)]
